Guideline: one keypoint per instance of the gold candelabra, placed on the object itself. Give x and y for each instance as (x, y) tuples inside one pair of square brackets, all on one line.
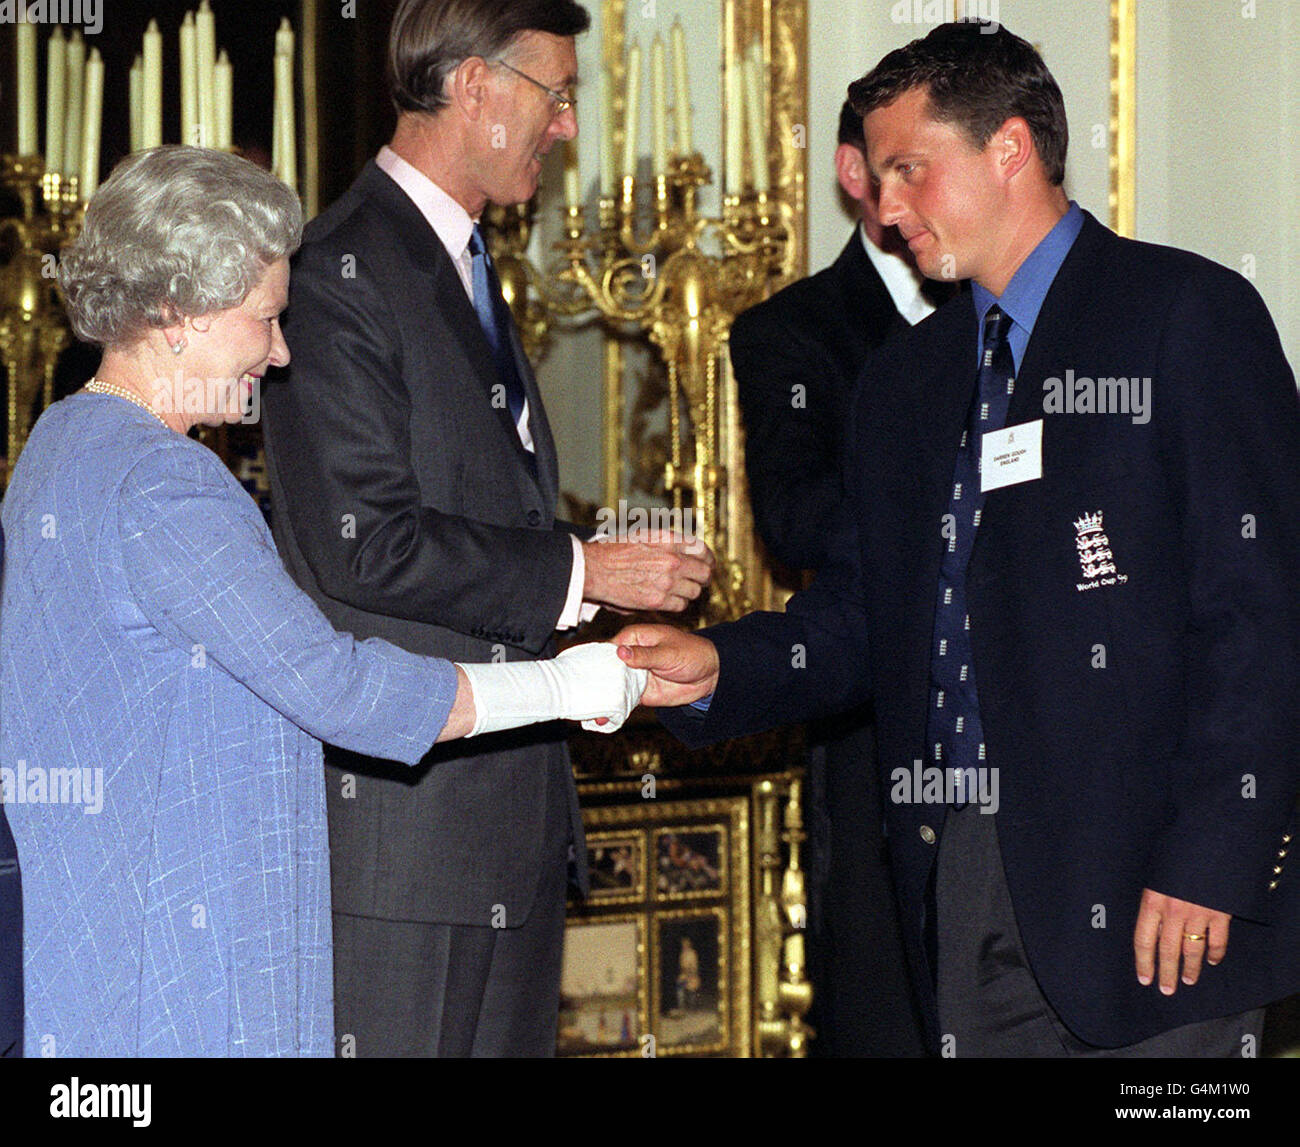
[(33, 328), (680, 278), (784, 993)]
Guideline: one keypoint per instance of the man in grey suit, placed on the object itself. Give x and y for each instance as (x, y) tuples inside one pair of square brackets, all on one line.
[(414, 487)]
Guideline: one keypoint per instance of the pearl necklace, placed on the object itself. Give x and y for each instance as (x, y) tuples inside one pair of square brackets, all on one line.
[(99, 386)]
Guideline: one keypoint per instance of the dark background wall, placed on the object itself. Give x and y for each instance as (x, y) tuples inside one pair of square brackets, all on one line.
[(355, 116)]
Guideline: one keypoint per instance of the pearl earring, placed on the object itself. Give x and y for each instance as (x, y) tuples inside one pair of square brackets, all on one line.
[(177, 347)]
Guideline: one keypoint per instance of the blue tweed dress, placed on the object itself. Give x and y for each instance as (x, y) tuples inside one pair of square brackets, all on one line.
[(164, 692)]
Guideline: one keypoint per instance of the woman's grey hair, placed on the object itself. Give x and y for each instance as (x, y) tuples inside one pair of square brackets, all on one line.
[(174, 232)]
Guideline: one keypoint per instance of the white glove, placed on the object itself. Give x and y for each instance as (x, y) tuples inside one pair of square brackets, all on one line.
[(583, 683)]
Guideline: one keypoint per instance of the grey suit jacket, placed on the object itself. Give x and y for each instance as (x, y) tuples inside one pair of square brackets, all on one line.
[(405, 504)]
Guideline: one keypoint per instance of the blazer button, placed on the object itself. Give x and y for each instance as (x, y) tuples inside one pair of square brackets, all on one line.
[(534, 518), (927, 834), (1271, 885), (1286, 838), (1277, 870), (1281, 852)]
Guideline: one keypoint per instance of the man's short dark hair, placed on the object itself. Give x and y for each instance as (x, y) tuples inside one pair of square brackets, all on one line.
[(977, 76), (851, 127), (430, 38)]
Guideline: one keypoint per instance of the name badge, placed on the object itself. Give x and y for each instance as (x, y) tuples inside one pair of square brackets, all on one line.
[(1013, 454)]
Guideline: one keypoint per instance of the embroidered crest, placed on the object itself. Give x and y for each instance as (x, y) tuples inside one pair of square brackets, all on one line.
[(1096, 559)]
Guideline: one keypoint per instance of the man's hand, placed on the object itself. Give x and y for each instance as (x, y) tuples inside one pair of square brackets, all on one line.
[(683, 667), (665, 573), (1176, 928)]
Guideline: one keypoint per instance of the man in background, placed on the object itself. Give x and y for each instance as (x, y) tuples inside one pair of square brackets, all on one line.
[(797, 359), (414, 483)]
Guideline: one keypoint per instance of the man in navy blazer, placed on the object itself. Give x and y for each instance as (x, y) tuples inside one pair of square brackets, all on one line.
[(1115, 883), (11, 929), (797, 358)]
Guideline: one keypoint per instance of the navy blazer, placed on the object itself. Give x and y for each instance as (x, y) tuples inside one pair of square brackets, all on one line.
[(1145, 730), (11, 928)]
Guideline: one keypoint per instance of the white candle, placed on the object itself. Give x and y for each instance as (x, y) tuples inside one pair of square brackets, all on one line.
[(735, 128), (633, 109), (135, 87), (205, 51), (151, 85), (572, 175), (756, 118), (283, 146), (92, 124), (659, 106), (284, 37), (76, 80), (681, 97), (189, 81), (28, 132), (607, 176), (277, 97), (55, 100), (223, 84), (286, 120)]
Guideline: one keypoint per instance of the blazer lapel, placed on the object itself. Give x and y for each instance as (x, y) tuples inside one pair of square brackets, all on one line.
[(944, 386)]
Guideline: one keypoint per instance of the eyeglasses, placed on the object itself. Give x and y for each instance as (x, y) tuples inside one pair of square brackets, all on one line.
[(563, 102)]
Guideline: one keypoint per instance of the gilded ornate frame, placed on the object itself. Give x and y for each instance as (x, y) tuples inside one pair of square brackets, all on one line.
[(1123, 117)]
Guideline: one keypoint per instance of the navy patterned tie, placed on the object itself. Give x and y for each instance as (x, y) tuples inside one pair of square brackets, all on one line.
[(494, 318), (955, 736)]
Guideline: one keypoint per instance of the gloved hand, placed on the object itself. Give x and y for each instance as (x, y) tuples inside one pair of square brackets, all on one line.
[(581, 684)]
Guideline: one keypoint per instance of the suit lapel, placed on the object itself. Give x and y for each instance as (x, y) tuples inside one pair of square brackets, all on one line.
[(539, 425), (869, 296), (448, 291)]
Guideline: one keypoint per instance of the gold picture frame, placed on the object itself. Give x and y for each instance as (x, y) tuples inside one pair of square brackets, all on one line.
[(604, 1002), (705, 1010), (616, 865)]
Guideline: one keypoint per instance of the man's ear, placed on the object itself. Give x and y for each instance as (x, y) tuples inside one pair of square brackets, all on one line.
[(467, 86), (851, 170), (1012, 147)]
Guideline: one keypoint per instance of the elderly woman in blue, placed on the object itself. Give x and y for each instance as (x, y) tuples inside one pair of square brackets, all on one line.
[(164, 686)]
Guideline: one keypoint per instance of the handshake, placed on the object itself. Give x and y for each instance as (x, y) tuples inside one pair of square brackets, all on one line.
[(599, 683)]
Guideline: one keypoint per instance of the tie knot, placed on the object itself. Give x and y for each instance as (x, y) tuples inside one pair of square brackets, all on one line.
[(476, 245), (997, 325)]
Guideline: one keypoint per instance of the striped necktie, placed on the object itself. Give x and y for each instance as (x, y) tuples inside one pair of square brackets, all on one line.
[(955, 734)]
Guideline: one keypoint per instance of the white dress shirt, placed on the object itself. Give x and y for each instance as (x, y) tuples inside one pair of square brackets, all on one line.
[(901, 279)]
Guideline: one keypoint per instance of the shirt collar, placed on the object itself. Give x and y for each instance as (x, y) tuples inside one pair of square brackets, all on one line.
[(1024, 295), (449, 219), (900, 279)]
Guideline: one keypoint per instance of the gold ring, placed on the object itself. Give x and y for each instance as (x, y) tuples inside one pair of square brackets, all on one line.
[(1192, 936)]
